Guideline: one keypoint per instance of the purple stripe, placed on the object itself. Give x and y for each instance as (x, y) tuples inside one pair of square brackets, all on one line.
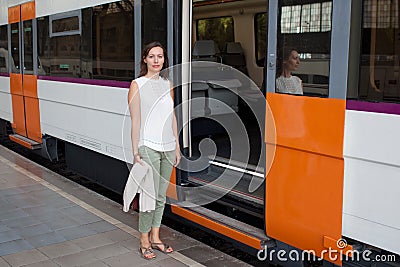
[(4, 74), (86, 81), (381, 107)]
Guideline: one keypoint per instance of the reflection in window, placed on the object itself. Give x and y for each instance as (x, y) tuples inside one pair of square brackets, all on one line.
[(315, 17), (382, 15), (155, 29), (102, 47), (260, 22), (379, 66), (113, 42), (218, 29), (28, 47), (303, 51), (3, 49), (15, 47), (66, 24)]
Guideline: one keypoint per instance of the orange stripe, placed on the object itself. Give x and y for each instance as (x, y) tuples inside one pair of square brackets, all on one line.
[(308, 123), (28, 11), (217, 227), (14, 14), (18, 114), (171, 190), (32, 117), (21, 142)]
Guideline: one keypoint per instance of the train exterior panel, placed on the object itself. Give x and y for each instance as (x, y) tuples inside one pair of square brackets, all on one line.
[(372, 167), (5, 99), (77, 113)]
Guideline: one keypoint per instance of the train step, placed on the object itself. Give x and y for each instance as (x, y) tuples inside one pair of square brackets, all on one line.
[(26, 142), (226, 226)]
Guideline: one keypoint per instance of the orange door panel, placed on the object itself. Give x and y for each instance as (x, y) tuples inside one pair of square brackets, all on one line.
[(304, 187), (16, 84), (18, 114), (28, 11), (304, 199), (30, 85), (32, 117)]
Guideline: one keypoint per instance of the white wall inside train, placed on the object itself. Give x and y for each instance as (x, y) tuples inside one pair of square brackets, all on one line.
[(5, 99), (94, 117), (47, 7), (372, 180)]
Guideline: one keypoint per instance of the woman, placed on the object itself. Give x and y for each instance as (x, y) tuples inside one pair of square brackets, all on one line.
[(154, 138), (286, 83)]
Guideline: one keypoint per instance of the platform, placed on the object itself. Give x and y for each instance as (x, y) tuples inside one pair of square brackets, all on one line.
[(48, 220)]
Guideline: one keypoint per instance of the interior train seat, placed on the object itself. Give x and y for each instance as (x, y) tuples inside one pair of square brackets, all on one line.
[(209, 88), (206, 50), (234, 56)]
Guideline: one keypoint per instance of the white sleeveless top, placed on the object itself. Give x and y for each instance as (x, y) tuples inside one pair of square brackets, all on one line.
[(289, 85), (156, 114)]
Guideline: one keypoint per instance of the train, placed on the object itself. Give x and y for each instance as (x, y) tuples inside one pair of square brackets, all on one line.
[(296, 180)]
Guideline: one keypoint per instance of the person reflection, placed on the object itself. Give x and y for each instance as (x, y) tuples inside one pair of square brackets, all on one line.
[(288, 61)]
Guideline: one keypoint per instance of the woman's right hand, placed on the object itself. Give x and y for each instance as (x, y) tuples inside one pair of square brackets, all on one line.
[(137, 159)]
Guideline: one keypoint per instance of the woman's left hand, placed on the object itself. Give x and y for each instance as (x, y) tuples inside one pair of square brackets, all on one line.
[(177, 157)]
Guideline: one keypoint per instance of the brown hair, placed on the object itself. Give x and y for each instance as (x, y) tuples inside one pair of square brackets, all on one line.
[(283, 54), (143, 66)]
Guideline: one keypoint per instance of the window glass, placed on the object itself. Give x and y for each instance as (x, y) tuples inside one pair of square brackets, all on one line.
[(15, 47), (112, 41), (28, 47), (43, 46), (380, 50), (260, 23), (3, 49), (65, 24), (102, 47), (218, 29), (303, 52), (154, 22)]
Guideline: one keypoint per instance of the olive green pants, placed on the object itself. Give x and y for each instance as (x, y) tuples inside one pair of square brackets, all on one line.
[(161, 163)]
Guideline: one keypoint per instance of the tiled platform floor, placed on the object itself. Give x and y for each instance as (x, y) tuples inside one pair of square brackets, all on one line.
[(47, 220)]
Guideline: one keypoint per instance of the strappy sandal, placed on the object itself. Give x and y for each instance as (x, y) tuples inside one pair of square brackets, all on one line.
[(146, 253), (165, 250)]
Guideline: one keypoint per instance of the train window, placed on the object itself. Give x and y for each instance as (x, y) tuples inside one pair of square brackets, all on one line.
[(3, 49), (303, 52), (100, 48), (68, 23), (155, 29), (260, 26), (221, 30), (28, 47), (111, 48), (15, 47), (43, 44), (380, 49)]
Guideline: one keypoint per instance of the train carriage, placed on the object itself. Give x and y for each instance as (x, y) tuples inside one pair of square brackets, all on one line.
[(303, 174)]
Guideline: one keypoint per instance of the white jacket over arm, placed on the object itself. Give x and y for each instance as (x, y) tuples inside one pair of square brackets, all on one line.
[(140, 180)]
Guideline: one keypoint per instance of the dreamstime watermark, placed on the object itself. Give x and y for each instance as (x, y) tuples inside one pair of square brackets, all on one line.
[(330, 254)]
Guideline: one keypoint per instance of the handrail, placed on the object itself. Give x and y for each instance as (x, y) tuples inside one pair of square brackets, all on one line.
[(373, 49)]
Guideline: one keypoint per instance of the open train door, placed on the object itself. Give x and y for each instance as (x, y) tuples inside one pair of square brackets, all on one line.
[(23, 82), (304, 187)]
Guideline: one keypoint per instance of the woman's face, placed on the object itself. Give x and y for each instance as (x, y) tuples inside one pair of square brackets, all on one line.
[(155, 59), (293, 61)]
